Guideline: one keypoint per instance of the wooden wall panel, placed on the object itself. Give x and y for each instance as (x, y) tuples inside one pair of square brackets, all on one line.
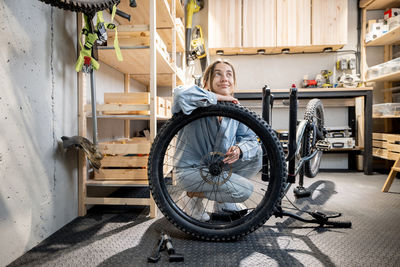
[(224, 23), (259, 23), (329, 22), (293, 22)]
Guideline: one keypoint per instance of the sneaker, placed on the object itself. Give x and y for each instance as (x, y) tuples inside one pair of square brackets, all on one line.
[(228, 207), (194, 207)]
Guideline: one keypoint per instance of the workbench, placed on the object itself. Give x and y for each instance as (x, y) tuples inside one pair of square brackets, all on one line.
[(329, 93)]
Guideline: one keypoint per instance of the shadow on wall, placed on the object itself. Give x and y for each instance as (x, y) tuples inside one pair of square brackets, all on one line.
[(40, 89)]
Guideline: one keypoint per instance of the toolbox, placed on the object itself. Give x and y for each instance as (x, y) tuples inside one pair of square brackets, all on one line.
[(338, 132), (341, 142)]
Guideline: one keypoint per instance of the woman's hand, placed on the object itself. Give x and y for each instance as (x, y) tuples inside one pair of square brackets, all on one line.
[(227, 98), (232, 155)]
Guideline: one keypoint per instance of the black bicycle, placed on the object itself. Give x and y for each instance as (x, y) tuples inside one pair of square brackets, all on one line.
[(278, 171)]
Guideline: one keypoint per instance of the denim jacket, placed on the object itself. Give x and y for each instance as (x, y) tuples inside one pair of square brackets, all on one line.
[(207, 135)]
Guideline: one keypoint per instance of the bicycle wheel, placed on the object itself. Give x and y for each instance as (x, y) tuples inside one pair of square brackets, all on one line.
[(84, 6), (314, 114), (179, 164)]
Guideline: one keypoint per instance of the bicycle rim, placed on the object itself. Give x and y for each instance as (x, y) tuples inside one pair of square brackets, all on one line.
[(314, 114), (177, 167)]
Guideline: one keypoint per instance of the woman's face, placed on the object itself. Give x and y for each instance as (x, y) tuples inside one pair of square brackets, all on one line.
[(223, 82)]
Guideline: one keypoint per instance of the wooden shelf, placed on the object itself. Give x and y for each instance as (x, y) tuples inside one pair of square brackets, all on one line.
[(141, 13), (139, 35), (378, 4), (391, 77), (390, 38), (162, 79), (274, 50), (129, 117), (386, 117), (136, 60), (92, 182), (166, 36)]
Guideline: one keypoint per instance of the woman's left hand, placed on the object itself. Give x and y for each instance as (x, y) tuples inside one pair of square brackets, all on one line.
[(227, 98), (232, 155)]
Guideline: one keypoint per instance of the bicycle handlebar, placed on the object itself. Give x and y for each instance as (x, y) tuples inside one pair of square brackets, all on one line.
[(122, 14)]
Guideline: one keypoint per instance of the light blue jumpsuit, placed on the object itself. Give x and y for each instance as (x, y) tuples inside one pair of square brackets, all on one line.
[(199, 139)]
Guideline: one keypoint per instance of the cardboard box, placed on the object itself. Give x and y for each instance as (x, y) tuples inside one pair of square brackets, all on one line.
[(393, 12), (393, 22)]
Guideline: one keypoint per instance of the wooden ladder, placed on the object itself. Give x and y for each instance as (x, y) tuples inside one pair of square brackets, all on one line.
[(395, 169)]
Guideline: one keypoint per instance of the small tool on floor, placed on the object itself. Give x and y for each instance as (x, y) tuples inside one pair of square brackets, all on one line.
[(165, 242)]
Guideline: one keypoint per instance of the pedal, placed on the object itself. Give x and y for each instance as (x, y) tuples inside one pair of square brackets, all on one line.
[(323, 145)]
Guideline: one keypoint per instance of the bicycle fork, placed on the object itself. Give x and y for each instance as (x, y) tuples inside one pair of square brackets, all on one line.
[(292, 146)]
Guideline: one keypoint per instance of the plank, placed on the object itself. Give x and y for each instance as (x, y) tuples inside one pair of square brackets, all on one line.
[(124, 161), (379, 4), (132, 98), (329, 22), (380, 144), (259, 23), (224, 23), (123, 149), (293, 23), (237, 50), (117, 201), (121, 174), (136, 61), (393, 147), (125, 183)]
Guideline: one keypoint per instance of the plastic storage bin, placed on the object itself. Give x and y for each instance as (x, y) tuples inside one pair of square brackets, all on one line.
[(386, 109)]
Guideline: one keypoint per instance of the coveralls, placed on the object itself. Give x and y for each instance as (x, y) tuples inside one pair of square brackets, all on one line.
[(198, 141)]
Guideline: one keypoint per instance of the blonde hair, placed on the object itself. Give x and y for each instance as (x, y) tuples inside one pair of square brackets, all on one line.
[(209, 74)]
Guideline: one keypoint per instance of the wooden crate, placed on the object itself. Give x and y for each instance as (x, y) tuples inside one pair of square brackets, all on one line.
[(124, 159), (139, 98), (168, 108), (386, 146)]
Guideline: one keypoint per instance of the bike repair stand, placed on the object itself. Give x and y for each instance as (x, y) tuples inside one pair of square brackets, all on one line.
[(318, 217), (300, 191), (91, 149)]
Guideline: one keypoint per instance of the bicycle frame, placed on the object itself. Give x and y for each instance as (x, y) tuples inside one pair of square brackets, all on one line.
[(296, 134)]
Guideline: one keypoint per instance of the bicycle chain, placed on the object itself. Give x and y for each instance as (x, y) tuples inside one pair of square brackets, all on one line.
[(84, 6)]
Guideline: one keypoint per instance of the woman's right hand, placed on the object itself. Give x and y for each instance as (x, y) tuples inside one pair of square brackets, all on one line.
[(227, 98)]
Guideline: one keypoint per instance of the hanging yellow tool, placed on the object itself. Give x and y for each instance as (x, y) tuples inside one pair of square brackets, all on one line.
[(192, 7), (198, 47)]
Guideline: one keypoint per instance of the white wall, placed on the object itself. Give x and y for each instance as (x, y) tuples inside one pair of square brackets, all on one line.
[(38, 104)]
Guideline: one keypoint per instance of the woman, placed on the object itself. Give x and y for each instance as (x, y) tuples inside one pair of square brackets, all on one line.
[(212, 137)]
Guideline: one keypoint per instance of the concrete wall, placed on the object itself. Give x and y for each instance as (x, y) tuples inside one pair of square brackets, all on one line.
[(38, 104)]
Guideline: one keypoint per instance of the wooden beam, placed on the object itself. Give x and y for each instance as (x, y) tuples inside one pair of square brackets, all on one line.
[(82, 128), (117, 201), (127, 123)]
